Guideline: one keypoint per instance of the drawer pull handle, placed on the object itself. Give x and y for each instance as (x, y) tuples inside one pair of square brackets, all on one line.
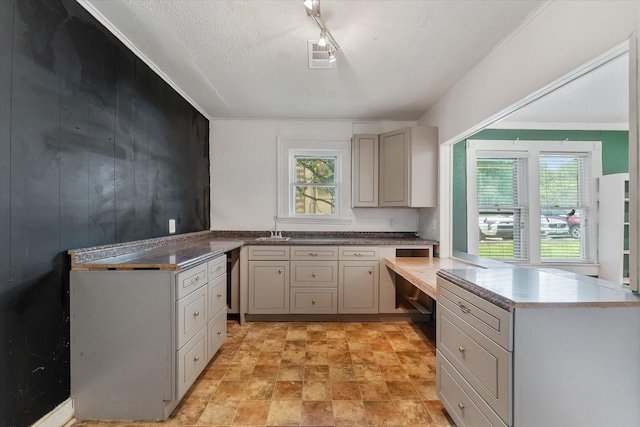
[(370, 271), (196, 314), (461, 349), (464, 308), (219, 295), (196, 358), (313, 253), (313, 274), (219, 332), (358, 254), (461, 406), (313, 302), (218, 268)]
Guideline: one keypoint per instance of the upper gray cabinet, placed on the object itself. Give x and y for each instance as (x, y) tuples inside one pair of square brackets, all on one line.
[(396, 169)]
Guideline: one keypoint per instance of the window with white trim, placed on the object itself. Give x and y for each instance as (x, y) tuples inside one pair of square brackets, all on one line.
[(532, 201), (310, 180)]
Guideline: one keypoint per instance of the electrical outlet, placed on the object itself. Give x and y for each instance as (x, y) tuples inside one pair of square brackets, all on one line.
[(172, 226), (392, 222)]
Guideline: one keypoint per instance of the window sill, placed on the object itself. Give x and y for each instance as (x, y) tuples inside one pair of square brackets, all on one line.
[(316, 220)]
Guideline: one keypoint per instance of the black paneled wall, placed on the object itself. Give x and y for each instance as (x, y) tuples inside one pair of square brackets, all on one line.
[(95, 148)]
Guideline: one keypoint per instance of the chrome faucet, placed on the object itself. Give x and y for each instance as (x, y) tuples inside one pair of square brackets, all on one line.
[(275, 234)]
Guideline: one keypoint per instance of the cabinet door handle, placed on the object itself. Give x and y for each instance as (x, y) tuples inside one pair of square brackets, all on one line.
[(370, 271), (196, 358), (461, 349), (280, 271), (219, 332), (219, 295), (313, 253), (358, 254), (461, 406), (313, 274), (196, 314), (313, 302), (464, 308)]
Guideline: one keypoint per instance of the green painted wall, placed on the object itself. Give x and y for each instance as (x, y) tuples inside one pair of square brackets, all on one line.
[(615, 159)]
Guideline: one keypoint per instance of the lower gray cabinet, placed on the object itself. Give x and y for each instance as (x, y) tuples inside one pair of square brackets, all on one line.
[(358, 287), (140, 338), (268, 287)]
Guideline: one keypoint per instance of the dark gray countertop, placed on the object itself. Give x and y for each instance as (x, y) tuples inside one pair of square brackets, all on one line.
[(181, 251)]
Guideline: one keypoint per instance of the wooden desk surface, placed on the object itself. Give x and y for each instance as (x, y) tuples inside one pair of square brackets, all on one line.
[(421, 271)]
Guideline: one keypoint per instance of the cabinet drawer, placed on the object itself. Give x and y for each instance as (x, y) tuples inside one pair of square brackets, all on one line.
[(314, 253), (358, 253), (216, 295), (216, 267), (191, 279), (462, 403), (192, 359), (265, 253), (312, 300), (191, 315), (489, 319), (483, 363), (217, 333), (308, 273)]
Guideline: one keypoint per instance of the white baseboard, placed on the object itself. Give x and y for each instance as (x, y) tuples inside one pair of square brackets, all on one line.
[(61, 416)]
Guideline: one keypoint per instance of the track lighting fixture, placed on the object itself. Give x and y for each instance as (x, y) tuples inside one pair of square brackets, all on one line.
[(326, 39)]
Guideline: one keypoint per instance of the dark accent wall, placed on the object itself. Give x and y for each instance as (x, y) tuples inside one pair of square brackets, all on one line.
[(615, 159), (95, 148)]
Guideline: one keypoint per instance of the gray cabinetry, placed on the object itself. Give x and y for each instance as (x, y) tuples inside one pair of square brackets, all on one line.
[(359, 280), (139, 339), (557, 364), (396, 169)]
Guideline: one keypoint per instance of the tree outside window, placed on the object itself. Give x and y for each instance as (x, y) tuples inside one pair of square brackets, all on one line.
[(314, 186)]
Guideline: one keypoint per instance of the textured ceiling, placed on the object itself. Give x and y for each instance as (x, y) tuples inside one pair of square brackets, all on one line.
[(248, 59)]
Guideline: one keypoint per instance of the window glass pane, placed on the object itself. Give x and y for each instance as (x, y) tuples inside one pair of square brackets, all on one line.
[(496, 182), (315, 170), (499, 238), (564, 197), (315, 200)]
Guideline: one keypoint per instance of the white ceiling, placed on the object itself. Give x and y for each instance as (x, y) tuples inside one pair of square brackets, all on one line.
[(248, 58), (598, 100)]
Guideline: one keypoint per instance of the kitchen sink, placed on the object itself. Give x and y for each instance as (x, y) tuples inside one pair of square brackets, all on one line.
[(273, 239)]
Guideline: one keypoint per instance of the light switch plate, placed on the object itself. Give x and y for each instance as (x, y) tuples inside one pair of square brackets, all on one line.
[(172, 226)]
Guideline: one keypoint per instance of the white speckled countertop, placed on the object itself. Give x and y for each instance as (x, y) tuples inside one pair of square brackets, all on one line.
[(510, 288)]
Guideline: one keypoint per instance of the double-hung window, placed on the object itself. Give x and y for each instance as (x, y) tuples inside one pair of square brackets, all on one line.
[(310, 180), (532, 201)]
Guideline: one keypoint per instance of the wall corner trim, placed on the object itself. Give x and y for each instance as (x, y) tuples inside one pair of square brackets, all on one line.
[(61, 416), (137, 52)]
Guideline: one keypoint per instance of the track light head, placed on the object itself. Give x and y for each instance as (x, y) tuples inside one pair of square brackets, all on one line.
[(332, 57), (312, 7), (323, 38)]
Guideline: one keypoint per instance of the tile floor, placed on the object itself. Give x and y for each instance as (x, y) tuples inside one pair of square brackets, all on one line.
[(316, 374)]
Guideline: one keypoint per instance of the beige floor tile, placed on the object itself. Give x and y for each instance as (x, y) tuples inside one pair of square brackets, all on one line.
[(349, 413), (317, 326), (316, 358), (187, 413), (287, 390), (285, 413), (297, 326), (269, 358), (374, 390), (339, 357), (316, 390), (386, 358), (317, 413), (342, 373), (293, 357), (238, 372), (273, 345), (277, 335), (334, 326), (345, 390), (337, 344), (259, 389), (317, 335), (316, 373), (413, 411), (297, 345), (265, 372), (214, 372), (252, 412), (402, 390), (219, 413), (317, 345), (252, 344), (368, 372), (296, 335), (380, 345), (230, 390), (202, 389), (291, 372), (336, 335), (382, 413), (420, 372), (363, 357), (246, 357), (395, 373)]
